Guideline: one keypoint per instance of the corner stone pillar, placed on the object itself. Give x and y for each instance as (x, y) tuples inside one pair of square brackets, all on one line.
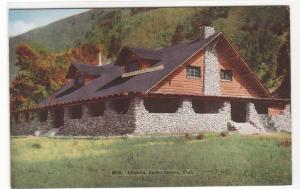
[(108, 105), (49, 118), (137, 106), (85, 112), (226, 108), (287, 109), (35, 115), (67, 114), (186, 107), (251, 112)]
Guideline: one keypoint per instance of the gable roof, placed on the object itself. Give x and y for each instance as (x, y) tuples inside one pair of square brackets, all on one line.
[(109, 81), (83, 69)]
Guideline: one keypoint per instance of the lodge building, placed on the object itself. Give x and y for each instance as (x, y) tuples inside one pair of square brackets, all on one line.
[(200, 85)]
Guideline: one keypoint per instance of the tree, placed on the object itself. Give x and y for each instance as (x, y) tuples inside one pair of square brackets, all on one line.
[(178, 34), (41, 73)]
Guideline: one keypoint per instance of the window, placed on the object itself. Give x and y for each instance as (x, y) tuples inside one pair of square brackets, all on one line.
[(43, 115), (162, 105), (206, 106), (226, 75), (261, 108), (121, 105), (193, 71), (76, 112), (96, 109), (78, 81), (132, 66)]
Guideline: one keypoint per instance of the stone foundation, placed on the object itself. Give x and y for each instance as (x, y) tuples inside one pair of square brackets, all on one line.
[(184, 120), (111, 123), (268, 123), (138, 120), (28, 128)]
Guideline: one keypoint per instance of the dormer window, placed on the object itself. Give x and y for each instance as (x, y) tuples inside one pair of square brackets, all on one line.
[(132, 66), (78, 81)]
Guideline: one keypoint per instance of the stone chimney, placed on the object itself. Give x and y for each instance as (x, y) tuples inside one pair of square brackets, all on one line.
[(206, 31), (99, 59), (211, 64)]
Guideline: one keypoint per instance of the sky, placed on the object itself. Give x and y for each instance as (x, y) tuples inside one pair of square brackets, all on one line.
[(21, 21)]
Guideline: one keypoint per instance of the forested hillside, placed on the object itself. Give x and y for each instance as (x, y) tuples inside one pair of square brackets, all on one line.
[(260, 33)]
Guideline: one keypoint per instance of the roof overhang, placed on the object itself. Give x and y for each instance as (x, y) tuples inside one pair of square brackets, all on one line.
[(160, 95)]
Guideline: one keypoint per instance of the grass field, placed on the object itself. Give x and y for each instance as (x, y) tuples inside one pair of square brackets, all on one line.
[(160, 161)]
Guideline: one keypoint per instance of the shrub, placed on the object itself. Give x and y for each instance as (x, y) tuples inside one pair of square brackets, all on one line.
[(37, 146), (187, 136), (224, 133), (200, 136), (285, 143)]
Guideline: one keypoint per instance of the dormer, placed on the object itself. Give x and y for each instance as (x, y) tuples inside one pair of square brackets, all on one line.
[(134, 59), (81, 74)]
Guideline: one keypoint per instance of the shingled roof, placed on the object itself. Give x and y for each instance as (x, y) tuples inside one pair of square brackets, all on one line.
[(84, 69), (110, 81)]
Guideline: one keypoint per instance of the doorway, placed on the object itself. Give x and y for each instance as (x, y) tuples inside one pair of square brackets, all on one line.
[(58, 117), (238, 112)]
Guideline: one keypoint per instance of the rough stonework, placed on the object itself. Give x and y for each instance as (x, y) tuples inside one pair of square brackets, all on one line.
[(206, 31), (268, 123), (184, 120), (138, 120), (29, 128), (211, 72), (111, 123)]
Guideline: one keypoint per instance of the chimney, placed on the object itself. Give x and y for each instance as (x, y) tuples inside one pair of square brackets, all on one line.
[(99, 61), (206, 31)]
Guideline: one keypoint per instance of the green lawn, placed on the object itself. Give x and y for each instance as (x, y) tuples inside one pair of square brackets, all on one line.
[(176, 161)]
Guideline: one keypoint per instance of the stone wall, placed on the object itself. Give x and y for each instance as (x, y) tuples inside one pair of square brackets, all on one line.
[(28, 128), (138, 120), (206, 31), (111, 123), (184, 120), (270, 123)]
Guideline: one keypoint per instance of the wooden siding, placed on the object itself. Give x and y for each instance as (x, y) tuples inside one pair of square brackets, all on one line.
[(243, 83), (240, 86), (275, 110), (145, 63), (88, 79), (178, 82)]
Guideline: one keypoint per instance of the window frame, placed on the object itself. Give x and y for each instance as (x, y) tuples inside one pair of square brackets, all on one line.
[(191, 72), (225, 72)]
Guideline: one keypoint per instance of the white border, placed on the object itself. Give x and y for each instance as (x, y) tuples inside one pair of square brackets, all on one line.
[(139, 3), (4, 92)]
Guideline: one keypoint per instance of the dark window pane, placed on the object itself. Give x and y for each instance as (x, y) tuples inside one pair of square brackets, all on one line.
[(226, 74), (132, 66), (193, 71), (76, 112)]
